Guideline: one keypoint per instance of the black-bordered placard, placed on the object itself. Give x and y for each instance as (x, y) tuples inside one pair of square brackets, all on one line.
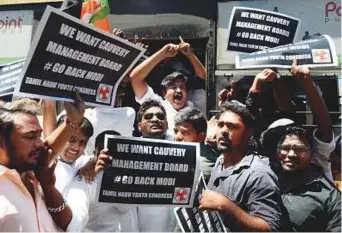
[(149, 172), (67, 55), (253, 29), (316, 52), (195, 220)]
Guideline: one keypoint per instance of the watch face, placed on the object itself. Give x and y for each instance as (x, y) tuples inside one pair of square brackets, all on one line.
[(278, 76)]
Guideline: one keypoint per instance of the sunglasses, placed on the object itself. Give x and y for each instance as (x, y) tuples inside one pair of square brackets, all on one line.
[(160, 116)]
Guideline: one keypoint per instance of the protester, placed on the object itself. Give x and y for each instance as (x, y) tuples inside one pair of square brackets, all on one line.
[(88, 214), (30, 201), (191, 126), (311, 199), (242, 187), (152, 123), (323, 136), (72, 158), (175, 91)]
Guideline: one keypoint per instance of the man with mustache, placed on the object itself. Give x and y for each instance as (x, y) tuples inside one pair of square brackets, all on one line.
[(175, 90), (29, 200), (152, 123), (302, 162), (242, 187)]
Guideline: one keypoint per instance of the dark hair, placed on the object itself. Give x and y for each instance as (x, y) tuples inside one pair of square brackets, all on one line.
[(8, 111), (193, 116), (171, 78), (149, 103), (86, 126), (99, 140), (297, 130), (239, 109)]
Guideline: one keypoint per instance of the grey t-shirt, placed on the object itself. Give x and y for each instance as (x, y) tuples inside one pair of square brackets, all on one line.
[(253, 186)]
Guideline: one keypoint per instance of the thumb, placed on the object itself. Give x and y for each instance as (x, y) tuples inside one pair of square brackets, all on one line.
[(54, 164), (294, 62)]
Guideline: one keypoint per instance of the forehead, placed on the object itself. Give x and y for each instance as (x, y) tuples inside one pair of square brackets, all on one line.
[(186, 126), (154, 110), (293, 139), (25, 123), (177, 81), (230, 117), (80, 135)]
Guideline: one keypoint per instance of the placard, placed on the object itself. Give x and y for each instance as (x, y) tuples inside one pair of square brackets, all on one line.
[(149, 172), (252, 29), (318, 52), (68, 55), (9, 75)]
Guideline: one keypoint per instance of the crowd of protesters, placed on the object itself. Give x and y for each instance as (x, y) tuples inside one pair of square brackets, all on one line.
[(261, 175)]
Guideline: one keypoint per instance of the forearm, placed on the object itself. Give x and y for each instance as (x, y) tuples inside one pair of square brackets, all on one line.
[(54, 199), (140, 72), (320, 112), (282, 97), (49, 117), (58, 138), (243, 220), (200, 70)]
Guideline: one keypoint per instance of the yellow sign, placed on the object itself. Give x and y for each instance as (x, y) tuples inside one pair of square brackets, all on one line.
[(16, 2)]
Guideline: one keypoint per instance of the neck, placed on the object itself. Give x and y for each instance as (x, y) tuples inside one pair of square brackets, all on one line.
[(232, 158), (155, 136), (289, 179), (65, 160)]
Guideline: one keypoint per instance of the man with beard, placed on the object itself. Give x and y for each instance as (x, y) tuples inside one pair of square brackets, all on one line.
[(302, 163), (175, 91), (29, 200), (242, 187)]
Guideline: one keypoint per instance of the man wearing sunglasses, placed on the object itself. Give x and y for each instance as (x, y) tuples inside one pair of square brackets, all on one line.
[(152, 123)]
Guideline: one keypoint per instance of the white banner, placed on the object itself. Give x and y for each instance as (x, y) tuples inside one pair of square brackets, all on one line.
[(15, 35)]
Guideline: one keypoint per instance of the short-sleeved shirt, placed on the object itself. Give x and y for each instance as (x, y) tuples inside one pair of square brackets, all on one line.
[(321, 154), (170, 111), (314, 206), (253, 186)]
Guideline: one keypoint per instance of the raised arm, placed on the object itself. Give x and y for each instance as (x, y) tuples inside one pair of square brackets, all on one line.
[(140, 72), (200, 70), (324, 126), (74, 114), (49, 117)]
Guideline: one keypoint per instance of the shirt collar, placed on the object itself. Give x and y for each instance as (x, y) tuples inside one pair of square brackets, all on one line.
[(245, 162)]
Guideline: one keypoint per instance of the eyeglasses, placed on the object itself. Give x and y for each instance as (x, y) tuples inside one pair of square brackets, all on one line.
[(160, 116), (296, 149)]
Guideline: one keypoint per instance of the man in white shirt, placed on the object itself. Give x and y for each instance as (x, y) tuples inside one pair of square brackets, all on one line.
[(88, 214), (72, 158), (175, 90)]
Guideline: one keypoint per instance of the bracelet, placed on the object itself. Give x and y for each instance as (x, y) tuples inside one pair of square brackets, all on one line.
[(58, 209), (72, 125)]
